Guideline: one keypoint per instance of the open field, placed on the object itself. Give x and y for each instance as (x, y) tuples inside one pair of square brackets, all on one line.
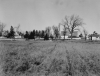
[(49, 58)]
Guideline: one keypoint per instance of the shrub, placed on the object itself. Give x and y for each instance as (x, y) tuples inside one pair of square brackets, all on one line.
[(46, 37)]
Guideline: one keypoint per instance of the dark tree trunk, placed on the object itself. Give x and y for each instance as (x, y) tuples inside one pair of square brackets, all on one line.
[(85, 38), (91, 37), (64, 37), (71, 36)]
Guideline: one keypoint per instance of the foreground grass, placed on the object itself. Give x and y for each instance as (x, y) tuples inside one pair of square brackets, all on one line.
[(47, 58)]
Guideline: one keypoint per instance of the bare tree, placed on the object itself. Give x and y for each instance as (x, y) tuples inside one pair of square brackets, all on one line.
[(55, 31), (72, 23), (2, 26), (48, 30), (64, 31), (17, 29)]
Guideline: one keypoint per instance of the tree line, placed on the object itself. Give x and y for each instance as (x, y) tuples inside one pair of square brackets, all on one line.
[(69, 24), (34, 34), (27, 35)]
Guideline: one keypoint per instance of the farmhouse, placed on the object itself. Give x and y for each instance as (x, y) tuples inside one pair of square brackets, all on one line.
[(94, 36), (75, 34)]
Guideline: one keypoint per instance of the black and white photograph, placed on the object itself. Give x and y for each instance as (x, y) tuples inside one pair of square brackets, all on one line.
[(49, 37)]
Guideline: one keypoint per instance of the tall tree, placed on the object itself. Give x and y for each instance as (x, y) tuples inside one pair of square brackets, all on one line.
[(55, 31), (2, 26), (85, 33), (37, 33), (46, 37), (26, 35), (31, 35), (12, 32), (72, 22), (42, 34), (64, 31), (48, 30), (34, 33)]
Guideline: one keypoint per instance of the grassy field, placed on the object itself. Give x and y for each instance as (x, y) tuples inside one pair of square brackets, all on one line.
[(49, 58)]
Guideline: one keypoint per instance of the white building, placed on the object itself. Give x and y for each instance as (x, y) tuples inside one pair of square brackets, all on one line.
[(75, 34), (17, 35), (94, 36)]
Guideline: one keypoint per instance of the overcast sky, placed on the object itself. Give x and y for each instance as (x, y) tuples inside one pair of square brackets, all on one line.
[(38, 14)]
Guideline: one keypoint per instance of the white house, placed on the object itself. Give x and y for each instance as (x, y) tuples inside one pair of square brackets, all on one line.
[(94, 37), (75, 34)]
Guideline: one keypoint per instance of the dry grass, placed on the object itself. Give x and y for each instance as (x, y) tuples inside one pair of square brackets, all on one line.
[(47, 58)]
